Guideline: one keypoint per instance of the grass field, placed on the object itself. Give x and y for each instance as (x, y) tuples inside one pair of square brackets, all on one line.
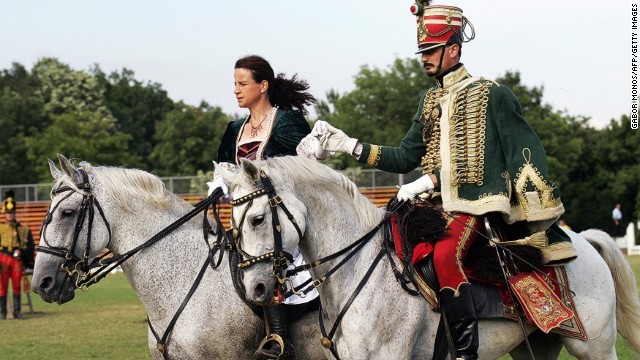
[(108, 322)]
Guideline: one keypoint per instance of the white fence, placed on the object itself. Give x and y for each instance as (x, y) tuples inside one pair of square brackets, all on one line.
[(628, 241)]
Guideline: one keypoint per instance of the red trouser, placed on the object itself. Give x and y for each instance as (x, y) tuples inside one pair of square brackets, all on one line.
[(451, 249), (12, 269)]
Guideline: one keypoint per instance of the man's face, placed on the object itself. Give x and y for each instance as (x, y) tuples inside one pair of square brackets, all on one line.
[(9, 217), (431, 59)]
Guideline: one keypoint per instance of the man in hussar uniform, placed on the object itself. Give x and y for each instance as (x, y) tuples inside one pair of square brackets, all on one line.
[(15, 240), (479, 158)]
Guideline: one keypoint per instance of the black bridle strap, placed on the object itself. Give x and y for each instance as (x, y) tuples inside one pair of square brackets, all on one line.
[(403, 279), (278, 256), (355, 246), (87, 204), (222, 242), (161, 342), (79, 224), (327, 338), (57, 251), (274, 202), (106, 223), (116, 261)]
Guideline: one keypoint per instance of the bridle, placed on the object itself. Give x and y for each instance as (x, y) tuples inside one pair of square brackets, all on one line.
[(86, 211), (278, 257), (105, 265), (109, 261)]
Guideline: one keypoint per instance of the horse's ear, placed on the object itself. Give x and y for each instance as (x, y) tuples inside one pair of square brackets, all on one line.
[(250, 170), (54, 170), (65, 165)]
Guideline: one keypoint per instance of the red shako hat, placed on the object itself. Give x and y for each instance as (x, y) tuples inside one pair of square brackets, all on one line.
[(438, 24)]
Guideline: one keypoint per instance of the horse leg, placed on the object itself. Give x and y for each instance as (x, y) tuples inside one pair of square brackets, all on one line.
[(544, 346), (595, 302), (600, 347)]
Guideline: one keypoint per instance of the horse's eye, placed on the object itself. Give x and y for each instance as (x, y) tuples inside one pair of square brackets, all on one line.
[(68, 212), (255, 221)]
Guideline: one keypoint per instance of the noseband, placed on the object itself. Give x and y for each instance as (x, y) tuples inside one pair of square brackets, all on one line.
[(86, 210), (278, 256)]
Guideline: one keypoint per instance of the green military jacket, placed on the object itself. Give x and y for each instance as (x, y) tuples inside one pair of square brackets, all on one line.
[(286, 131), (470, 133)]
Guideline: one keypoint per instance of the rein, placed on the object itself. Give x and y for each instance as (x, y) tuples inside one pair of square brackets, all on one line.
[(72, 263), (105, 266), (327, 338), (279, 256)]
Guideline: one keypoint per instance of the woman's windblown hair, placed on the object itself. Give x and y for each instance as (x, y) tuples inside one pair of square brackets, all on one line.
[(288, 94)]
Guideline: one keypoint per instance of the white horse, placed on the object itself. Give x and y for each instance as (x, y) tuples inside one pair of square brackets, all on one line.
[(384, 322), (215, 324)]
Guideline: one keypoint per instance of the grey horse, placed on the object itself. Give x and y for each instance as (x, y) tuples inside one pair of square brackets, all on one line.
[(215, 324), (384, 322)]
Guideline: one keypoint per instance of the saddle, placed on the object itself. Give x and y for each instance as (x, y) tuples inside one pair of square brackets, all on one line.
[(541, 292)]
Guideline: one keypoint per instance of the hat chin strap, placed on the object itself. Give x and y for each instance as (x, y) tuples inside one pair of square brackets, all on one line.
[(439, 68)]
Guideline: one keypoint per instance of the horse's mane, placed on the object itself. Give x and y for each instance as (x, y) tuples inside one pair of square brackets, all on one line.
[(125, 185), (313, 174)]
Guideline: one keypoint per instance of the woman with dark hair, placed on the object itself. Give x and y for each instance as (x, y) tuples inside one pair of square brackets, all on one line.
[(274, 127), (275, 124)]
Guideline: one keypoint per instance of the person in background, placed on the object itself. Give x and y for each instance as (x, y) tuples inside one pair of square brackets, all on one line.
[(274, 127), (16, 252), (616, 215)]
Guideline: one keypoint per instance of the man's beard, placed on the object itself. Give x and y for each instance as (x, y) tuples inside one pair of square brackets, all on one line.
[(433, 72)]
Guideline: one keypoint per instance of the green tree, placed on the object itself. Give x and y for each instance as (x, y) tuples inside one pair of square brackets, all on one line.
[(188, 139), (137, 107), (20, 111), (380, 109), (617, 154), (84, 136), (81, 126)]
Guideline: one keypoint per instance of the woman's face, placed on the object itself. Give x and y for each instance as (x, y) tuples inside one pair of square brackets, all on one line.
[(248, 92)]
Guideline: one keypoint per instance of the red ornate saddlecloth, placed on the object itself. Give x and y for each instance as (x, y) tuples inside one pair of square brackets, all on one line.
[(548, 301)]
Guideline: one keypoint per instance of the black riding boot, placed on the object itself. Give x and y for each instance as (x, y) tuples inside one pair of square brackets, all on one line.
[(17, 307), (463, 322), (271, 346), (3, 308)]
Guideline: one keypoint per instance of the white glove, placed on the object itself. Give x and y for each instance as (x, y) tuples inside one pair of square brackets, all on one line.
[(310, 147), (411, 190), (217, 182), (334, 139), (319, 128)]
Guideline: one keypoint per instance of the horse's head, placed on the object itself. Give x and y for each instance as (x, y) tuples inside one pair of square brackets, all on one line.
[(268, 223), (74, 232)]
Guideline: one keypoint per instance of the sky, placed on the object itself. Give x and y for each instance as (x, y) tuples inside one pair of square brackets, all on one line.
[(579, 51)]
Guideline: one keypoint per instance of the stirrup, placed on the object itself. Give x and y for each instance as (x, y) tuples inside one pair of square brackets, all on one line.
[(261, 353)]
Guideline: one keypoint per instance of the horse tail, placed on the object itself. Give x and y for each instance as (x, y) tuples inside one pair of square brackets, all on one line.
[(627, 302)]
